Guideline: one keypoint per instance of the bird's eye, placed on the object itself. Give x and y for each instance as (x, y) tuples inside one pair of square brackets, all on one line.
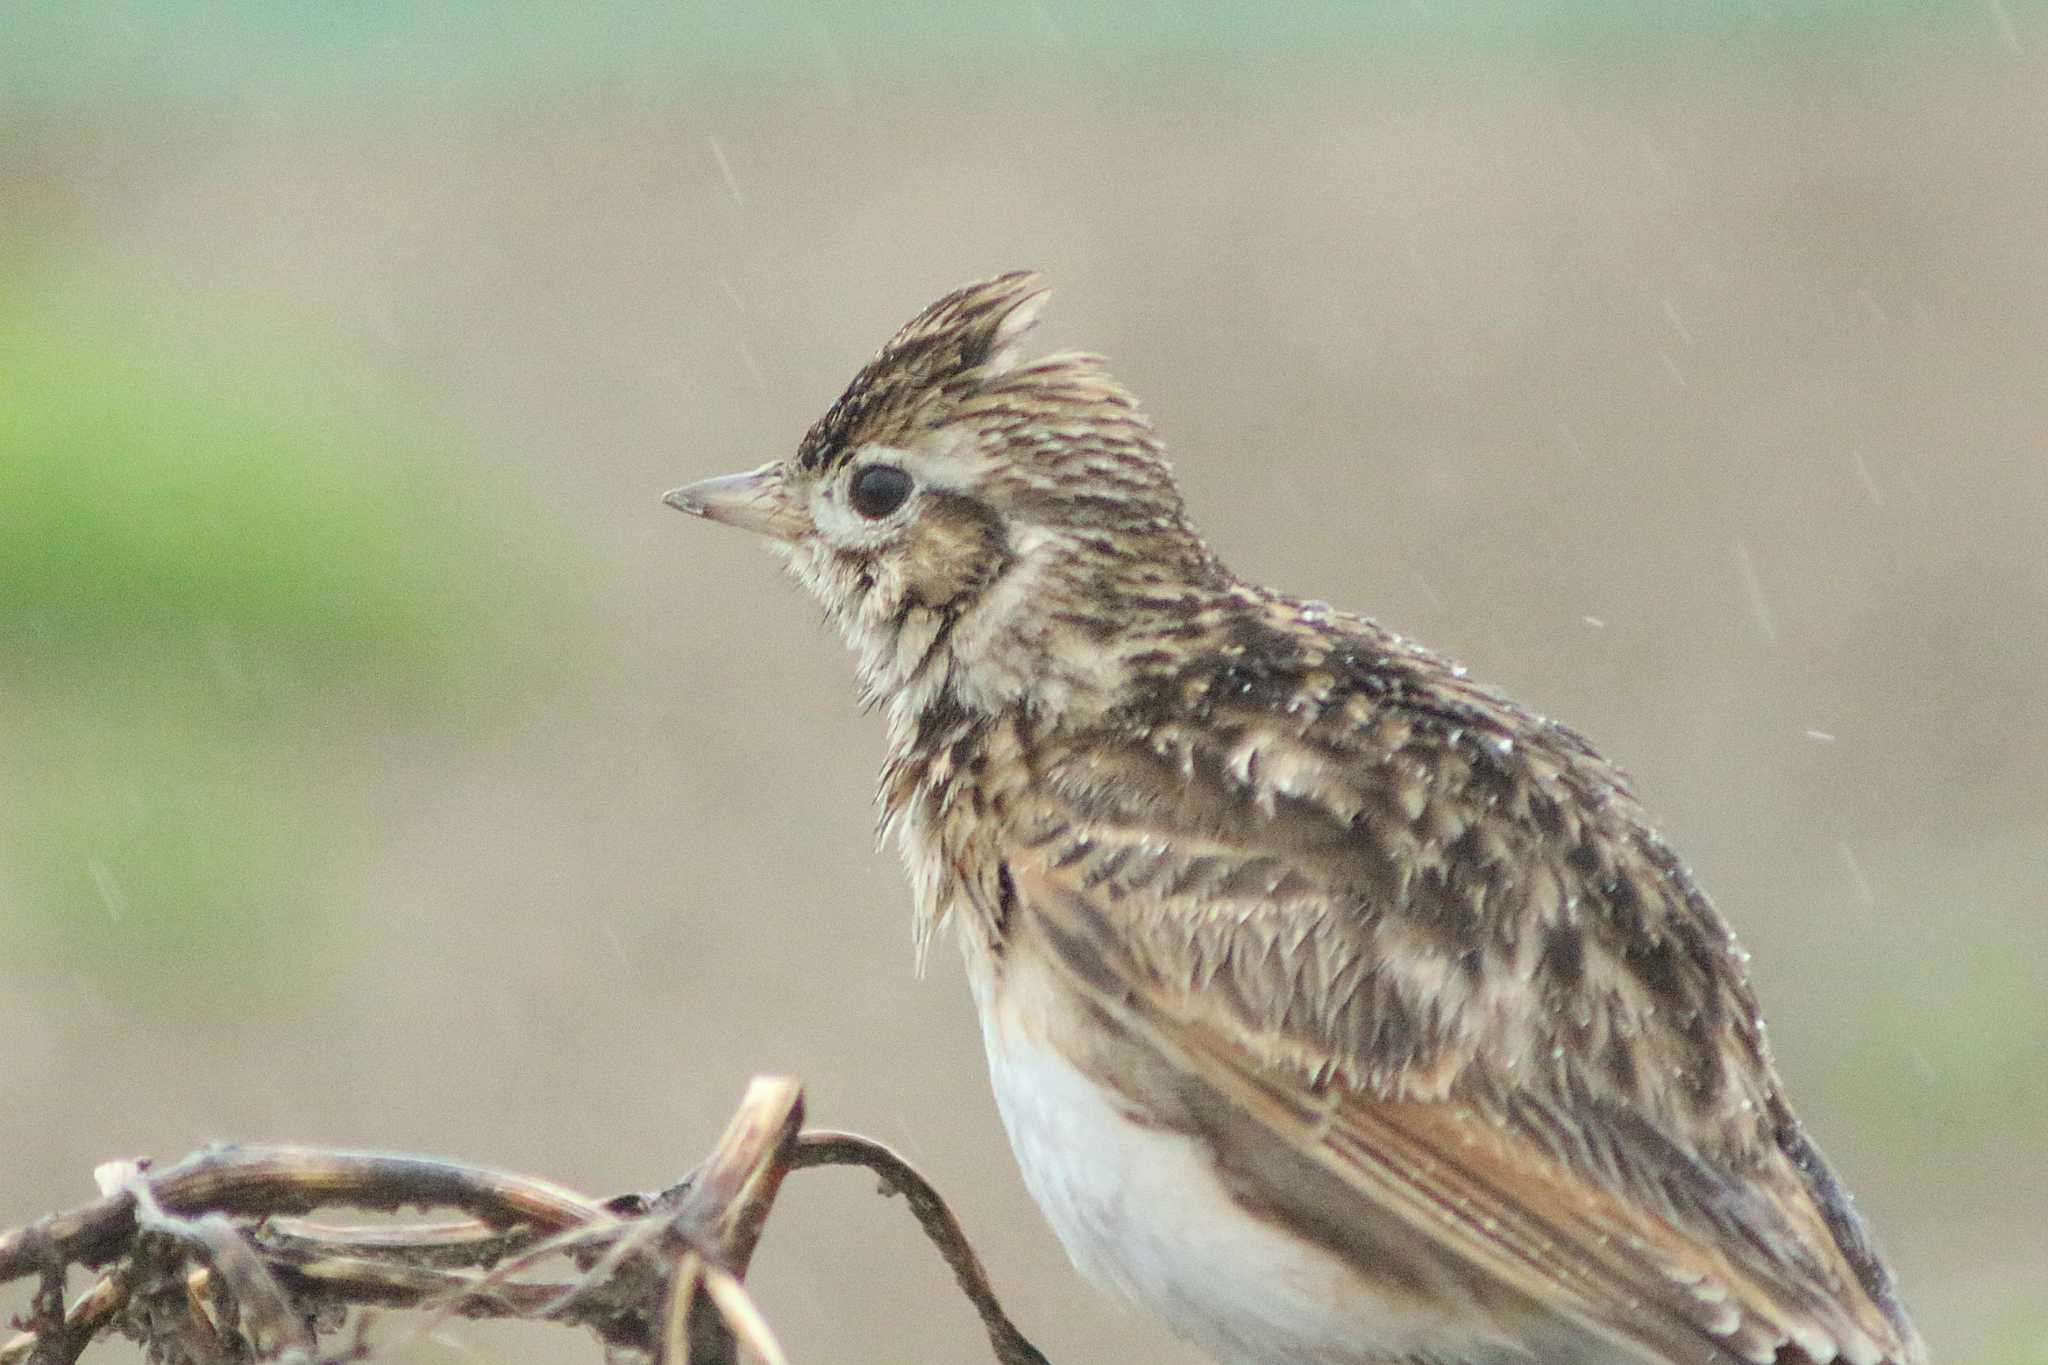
[(879, 490)]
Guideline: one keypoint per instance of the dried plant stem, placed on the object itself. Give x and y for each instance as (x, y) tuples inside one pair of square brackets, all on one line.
[(213, 1261), (824, 1147)]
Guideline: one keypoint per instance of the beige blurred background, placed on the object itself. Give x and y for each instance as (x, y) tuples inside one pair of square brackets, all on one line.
[(1691, 384)]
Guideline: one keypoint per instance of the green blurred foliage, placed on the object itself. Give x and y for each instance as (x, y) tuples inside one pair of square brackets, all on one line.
[(201, 553), (185, 48)]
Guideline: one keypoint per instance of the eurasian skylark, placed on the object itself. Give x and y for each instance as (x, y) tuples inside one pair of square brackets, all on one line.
[(1339, 1009)]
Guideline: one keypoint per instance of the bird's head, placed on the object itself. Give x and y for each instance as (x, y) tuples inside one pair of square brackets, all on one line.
[(982, 528)]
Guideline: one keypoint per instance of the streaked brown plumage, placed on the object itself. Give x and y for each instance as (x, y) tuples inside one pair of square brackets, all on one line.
[(1462, 1064)]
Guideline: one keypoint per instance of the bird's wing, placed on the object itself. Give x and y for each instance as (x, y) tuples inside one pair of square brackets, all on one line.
[(1482, 1002)]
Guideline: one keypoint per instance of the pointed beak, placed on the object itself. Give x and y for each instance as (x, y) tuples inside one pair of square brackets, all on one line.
[(755, 501)]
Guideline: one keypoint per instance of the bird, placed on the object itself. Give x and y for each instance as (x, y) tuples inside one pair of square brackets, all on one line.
[(1338, 1008)]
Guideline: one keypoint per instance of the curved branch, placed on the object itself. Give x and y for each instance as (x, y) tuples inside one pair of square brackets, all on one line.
[(266, 1180), (824, 1147)]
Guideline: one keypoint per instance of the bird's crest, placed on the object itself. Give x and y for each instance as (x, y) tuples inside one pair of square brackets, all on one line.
[(971, 336)]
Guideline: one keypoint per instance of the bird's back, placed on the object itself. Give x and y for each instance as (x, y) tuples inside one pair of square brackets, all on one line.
[(1309, 858)]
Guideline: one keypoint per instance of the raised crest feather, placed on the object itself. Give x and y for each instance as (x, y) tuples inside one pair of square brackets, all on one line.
[(941, 357), (975, 332)]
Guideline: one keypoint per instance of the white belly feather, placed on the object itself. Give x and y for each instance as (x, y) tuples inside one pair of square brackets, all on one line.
[(1142, 1213)]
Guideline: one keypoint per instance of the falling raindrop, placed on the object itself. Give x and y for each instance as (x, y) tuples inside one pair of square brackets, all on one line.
[(1677, 323), (1855, 871), (1753, 586), (732, 185), (109, 886), (610, 933), (1049, 28), (1870, 488), (2008, 36), (831, 63), (753, 366), (1572, 442)]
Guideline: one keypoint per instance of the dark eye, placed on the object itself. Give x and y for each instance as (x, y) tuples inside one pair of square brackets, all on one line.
[(879, 490)]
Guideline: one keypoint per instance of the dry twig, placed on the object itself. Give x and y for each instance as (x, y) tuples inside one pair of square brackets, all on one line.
[(211, 1261)]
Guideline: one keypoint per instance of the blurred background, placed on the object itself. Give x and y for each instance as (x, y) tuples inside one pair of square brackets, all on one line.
[(382, 764)]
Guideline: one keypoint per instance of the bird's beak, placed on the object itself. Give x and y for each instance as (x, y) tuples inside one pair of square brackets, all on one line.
[(755, 501)]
